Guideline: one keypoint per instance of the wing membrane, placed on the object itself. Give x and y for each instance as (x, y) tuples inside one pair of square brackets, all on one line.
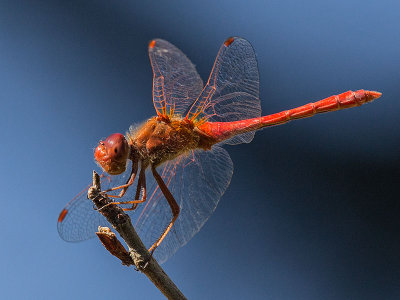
[(80, 220), (232, 90), (176, 83), (197, 182)]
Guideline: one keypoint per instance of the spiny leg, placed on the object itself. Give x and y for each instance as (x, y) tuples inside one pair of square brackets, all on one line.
[(172, 203), (129, 182), (141, 187)]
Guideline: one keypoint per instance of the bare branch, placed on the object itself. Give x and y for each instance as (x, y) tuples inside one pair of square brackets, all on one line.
[(113, 245), (137, 250)]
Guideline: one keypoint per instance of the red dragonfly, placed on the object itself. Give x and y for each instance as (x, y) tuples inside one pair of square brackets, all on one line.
[(182, 168)]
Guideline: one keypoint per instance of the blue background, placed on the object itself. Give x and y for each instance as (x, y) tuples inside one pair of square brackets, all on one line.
[(312, 211)]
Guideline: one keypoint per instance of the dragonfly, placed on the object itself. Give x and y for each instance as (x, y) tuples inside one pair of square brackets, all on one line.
[(176, 158)]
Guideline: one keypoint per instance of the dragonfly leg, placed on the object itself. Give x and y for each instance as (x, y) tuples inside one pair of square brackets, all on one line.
[(141, 187), (172, 203), (129, 182)]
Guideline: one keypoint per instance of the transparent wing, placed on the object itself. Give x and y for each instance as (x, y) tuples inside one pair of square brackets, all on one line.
[(78, 220), (197, 182), (232, 90), (176, 83)]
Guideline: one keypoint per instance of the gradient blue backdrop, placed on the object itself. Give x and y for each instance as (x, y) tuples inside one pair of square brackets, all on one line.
[(312, 211)]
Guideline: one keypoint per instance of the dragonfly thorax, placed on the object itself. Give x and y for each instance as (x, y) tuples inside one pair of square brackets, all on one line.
[(159, 140)]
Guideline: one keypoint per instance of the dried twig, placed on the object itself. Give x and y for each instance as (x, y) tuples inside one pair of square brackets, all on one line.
[(114, 246), (138, 252)]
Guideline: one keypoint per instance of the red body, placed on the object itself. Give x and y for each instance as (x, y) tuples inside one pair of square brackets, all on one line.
[(177, 163), (224, 130)]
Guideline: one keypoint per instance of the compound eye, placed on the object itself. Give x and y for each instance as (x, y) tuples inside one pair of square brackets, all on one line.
[(118, 146), (112, 154)]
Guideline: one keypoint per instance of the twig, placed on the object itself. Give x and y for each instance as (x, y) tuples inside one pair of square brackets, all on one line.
[(140, 256), (114, 246)]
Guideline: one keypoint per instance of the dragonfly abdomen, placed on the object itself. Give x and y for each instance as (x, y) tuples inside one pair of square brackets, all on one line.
[(224, 130)]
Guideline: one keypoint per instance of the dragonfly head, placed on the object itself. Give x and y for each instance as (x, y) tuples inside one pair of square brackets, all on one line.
[(112, 154)]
